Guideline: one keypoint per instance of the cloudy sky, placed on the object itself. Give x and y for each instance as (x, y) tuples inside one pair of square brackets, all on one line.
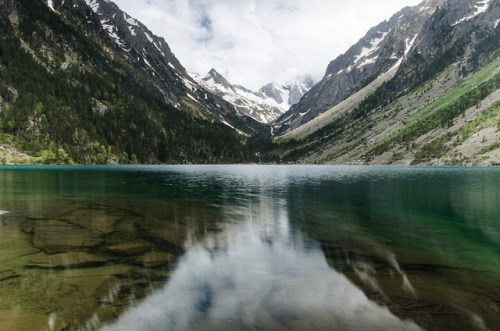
[(254, 42)]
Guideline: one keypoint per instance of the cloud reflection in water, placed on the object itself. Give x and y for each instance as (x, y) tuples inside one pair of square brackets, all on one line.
[(256, 284), (257, 274)]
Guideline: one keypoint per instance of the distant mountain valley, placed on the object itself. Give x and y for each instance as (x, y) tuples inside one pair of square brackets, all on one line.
[(82, 82)]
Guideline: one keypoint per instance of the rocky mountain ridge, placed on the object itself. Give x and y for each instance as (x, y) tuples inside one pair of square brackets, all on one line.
[(411, 113), (384, 47)]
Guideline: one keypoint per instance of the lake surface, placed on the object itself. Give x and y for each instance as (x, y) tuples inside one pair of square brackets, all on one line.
[(250, 248)]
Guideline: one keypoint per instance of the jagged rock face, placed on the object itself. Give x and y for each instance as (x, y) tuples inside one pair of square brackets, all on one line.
[(138, 43), (455, 19), (288, 94), (271, 91), (8, 94), (265, 105), (382, 48), (298, 90)]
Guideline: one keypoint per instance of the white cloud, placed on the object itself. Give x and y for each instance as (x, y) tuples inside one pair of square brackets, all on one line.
[(253, 42)]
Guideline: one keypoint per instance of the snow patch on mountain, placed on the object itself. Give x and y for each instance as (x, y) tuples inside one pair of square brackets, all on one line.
[(94, 5), (367, 53), (148, 36), (132, 31), (286, 97), (409, 44), (374, 46), (479, 8), (367, 61), (148, 64), (130, 20), (159, 49), (111, 30), (50, 4), (189, 84)]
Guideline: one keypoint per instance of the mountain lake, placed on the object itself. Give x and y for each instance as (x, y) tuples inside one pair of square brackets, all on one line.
[(249, 247)]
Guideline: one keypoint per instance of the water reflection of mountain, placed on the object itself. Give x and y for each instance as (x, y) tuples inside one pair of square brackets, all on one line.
[(259, 247), (359, 228), (423, 243)]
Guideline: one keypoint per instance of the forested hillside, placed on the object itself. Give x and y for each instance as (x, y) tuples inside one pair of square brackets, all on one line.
[(68, 96)]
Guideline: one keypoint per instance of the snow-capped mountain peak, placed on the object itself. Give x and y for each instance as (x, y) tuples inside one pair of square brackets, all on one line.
[(214, 78), (264, 105)]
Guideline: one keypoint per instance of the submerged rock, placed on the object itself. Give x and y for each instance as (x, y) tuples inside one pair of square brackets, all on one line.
[(163, 235), (14, 320), (127, 293), (58, 236), (7, 274), (154, 259), (67, 260), (97, 221), (115, 270), (14, 244), (129, 249)]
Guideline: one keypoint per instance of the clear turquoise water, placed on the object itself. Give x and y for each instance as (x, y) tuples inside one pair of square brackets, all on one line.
[(270, 247)]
